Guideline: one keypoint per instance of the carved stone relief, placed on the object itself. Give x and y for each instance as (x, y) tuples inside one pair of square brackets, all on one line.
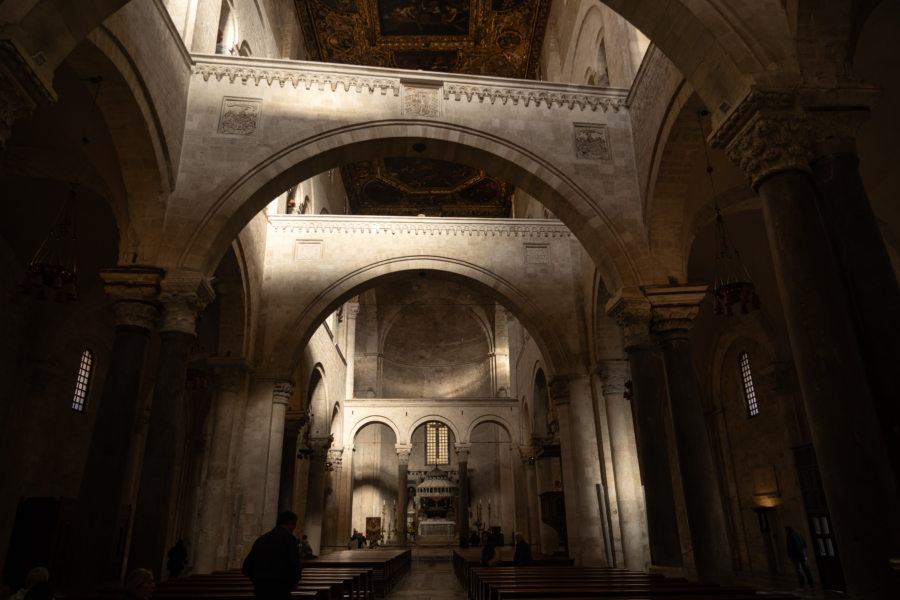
[(240, 116), (421, 101), (592, 142)]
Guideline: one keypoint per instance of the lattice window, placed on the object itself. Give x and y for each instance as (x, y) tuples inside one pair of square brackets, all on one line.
[(749, 390), (83, 380), (437, 444)]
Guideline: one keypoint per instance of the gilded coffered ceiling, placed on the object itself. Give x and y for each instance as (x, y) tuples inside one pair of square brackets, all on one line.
[(481, 37)]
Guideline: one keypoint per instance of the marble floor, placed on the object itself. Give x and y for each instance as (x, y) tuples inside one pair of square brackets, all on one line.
[(430, 578)]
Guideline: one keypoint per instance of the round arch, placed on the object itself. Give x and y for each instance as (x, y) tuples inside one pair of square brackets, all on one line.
[(252, 191), (496, 420), (373, 419), (516, 300), (454, 429)]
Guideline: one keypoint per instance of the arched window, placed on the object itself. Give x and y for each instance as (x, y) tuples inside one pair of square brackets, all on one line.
[(83, 380), (747, 381), (437, 444)]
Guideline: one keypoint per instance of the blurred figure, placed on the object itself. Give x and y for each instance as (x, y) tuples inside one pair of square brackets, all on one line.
[(522, 557), (177, 559), (796, 551), (139, 585), (36, 576)]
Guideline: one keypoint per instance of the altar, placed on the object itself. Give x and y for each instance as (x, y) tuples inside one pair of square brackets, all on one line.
[(437, 527)]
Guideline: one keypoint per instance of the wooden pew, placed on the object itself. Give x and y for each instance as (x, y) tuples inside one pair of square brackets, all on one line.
[(387, 565)]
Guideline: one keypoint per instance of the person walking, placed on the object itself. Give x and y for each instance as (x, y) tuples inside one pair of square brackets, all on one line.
[(796, 551), (273, 564)]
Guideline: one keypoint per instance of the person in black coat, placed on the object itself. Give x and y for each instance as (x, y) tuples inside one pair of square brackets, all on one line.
[(522, 557), (273, 564)]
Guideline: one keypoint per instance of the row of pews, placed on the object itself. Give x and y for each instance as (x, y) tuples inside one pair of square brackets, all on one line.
[(344, 575), (543, 581)]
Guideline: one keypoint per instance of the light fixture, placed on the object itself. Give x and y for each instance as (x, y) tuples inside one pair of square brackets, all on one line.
[(731, 281), (54, 264)]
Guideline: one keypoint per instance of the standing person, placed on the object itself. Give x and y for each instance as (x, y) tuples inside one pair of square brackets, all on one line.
[(176, 559), (487, 549), (522, 557), (796, 551), (273, 564)]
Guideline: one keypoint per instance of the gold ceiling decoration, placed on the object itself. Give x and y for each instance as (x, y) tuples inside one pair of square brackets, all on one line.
[(481, 37)]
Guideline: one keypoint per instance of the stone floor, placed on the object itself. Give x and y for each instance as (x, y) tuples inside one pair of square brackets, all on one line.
[(431, 578)]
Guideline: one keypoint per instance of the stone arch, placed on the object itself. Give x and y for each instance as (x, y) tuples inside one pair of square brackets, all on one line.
[(353, 283), (317, 403), (526, 426), (583, 50), (541, 402), (454, 429), (496, 420), (538, 177), (337, 425), (381, 419)]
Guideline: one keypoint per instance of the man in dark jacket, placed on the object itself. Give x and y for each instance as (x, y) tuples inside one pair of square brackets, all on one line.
[(796, 551), (273, 564)]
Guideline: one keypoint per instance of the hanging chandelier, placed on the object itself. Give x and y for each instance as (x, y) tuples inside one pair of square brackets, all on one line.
[(732, 284), (54, 264)]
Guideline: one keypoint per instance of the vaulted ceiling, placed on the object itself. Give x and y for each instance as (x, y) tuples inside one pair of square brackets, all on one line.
[(500, 38)]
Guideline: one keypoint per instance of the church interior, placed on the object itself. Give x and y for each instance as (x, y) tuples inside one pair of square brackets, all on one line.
[(620, 277)]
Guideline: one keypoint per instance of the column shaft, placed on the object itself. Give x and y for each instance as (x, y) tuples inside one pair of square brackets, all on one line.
[(463, 467), (149, 540), (402, 500), (531, 497), (839, 404)]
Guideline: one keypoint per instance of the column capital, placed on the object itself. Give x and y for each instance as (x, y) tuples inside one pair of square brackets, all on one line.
[(294, 420), (463, 451), (559, 390), (631, 310), (229, 373), (765, 134), (282, 390), (136, 291), (526, 452), (319, 447), (673, 308), (352, 310), (184, 294), (613, 374), (334, 459), (403, 452)]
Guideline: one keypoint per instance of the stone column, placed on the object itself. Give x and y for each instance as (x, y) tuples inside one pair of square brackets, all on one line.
[(612, 375), (345, 509), (315, 498), (282, 390), (531, 497), (293, 421), (462, 457), (351, 314), (864, 262), (771, 141), (403, 452), (501, 353), (543, 475), (183, 295), (94, 558), (211, 550), (633, 315), (673, 310), (334, 465), (581, 469)]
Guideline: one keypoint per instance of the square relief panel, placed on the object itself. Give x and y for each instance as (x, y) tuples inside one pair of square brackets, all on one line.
[(537, 254), (419, 101), (307, 249), (592, 142), (240, 116)]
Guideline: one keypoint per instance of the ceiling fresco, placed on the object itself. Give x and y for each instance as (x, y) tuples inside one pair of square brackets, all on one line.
[(499, 38)]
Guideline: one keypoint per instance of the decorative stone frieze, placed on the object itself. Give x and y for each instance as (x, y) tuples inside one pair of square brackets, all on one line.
[(631, 310), (282, 391), (418, 100), (559, 391), (416, 227), (673, 308), (403, 453), (22, 90), (536, 98), (184, 294)]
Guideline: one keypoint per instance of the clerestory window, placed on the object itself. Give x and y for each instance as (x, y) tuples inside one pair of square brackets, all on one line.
[(437, 444), (747, 381), (83, 380)]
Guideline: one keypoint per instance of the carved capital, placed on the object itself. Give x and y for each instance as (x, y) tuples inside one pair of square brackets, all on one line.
[(766, 134), (352, 310), (229, 373), (673, 308), (526, 452), (335, 458), (463, 451), (282, 389), (136, 314), (559, 391), (319, 447), (403, 452), (613, 374), (631, 310), (22, 89), (184, 294), (137, 284)]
